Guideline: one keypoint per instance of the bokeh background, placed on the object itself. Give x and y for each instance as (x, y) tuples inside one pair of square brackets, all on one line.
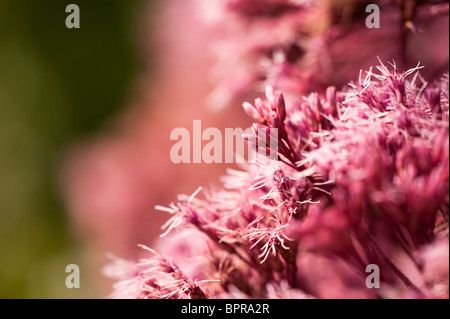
[(57, 86)]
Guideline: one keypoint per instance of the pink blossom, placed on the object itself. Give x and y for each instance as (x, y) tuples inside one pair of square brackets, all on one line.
[(301, 45), (362, 178)]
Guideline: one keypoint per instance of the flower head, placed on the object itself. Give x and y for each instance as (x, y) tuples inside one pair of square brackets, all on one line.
[(362, 178)]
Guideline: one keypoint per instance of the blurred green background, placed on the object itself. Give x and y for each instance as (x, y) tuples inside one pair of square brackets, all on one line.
[(57, 85)]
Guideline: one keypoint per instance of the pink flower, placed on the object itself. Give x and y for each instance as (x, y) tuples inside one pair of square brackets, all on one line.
[(112, 182), (301, 45), (436, 270), (360, 177)]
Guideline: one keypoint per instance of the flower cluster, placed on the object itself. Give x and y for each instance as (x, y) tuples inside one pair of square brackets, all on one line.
[(361, 177), (304, 45)]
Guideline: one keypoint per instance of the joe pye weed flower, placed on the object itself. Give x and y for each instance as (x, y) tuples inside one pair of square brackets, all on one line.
[(361, 177)]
